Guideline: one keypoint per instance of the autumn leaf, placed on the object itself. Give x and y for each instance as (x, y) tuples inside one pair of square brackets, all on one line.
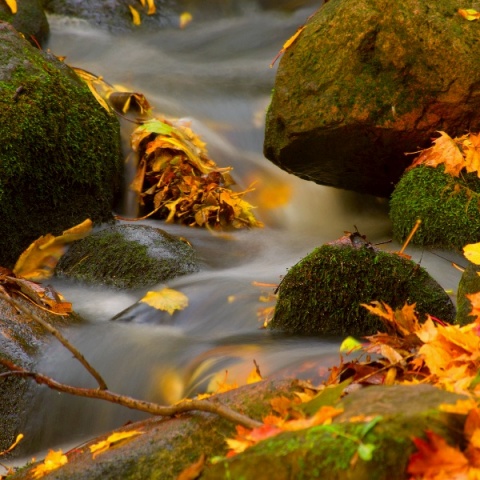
[(472, 252), (287, 45), (113, 439), (469, 13), (194, 470), (166, 299), (135, 15), (254, 376), (12, 4), (151, 7), (13, 445), (445, 151), (185, 19), (39, 260), (435, 457), (350, 344), (52, 461)]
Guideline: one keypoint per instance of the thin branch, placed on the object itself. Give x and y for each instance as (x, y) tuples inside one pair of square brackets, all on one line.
[(101, 382), (133, 403)]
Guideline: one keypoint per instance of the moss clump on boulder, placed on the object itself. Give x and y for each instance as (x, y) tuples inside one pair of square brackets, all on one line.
[(323, 293), (60, 159), (128, 256), (447, 206)]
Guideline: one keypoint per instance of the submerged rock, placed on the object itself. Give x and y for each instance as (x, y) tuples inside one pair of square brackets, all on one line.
[(128, 256), (323, 293), (60, 157), (21, 339), (447, 206), (364, 83)]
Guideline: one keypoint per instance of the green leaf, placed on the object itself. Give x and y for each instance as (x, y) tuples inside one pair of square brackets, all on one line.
[(365, 451), (328, 396), (156, 126), (369, 425)]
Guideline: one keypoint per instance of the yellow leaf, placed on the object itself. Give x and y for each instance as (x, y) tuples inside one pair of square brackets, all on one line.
[(135, 15), (113, 439), (39, 260), (185, 19), (142, 2), (472, 252), (350, 344), (52, 461), (287, 44), (13, 445), (254, 376), (469, 13), (12, 4), (151, 7), (461, 407), (166, 299)]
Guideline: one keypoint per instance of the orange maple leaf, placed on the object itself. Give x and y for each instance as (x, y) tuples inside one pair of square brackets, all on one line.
[(445, 151), (435, 459)]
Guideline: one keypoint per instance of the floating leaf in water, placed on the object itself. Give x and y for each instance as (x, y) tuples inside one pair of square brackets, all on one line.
[(166, 299)]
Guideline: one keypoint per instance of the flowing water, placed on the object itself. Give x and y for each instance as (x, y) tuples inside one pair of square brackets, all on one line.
[(217, 74)]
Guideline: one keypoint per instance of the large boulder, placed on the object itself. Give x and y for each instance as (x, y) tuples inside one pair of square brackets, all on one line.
[(60, 159), (128, 256), (324, 292), (367, 81), (30, 20)]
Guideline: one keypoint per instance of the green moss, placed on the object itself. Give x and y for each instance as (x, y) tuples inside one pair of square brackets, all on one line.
[(60, 152), (323, 293), (469, 283), (128, 256), (447, 206)]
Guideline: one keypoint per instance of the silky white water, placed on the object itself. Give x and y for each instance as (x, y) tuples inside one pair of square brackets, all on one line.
[(217, 74)]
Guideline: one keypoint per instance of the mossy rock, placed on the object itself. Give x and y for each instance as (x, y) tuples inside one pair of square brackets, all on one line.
[(128, 256), (323, 293), (448, 208), (60, 159), (30, 20), (469, 283), (328, 451)]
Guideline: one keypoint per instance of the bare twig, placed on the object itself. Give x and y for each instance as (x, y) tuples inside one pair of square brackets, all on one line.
[(133, 403), (101, 382)]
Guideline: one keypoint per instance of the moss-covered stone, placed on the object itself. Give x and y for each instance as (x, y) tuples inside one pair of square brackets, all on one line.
[(328, 451), (447, 206), (367, 81), (30, 19), (323, 293), (128, 256), (60, 157), (469, 283)]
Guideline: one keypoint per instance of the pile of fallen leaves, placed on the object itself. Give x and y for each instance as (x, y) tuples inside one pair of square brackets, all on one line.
[(457, 155), (178, 182)]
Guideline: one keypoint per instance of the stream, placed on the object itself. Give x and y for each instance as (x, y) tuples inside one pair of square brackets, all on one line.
[(216, 73)]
